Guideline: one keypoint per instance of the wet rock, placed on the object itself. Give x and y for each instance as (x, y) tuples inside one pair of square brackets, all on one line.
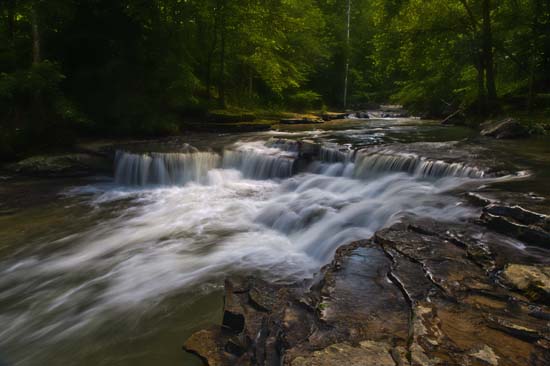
[(300, 121), (506, 217), (209, 345), (333, 116), (534, 280), (508, 128), (362, 115), (375, 353), (361, 300), (519, 214), (308, 149), (535, 234), (419, 293), (66, 165), (233, 127)]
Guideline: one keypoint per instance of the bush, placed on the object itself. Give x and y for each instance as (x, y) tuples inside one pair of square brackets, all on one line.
[(305, 100)]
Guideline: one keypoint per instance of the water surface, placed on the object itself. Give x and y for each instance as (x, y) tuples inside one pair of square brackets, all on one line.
[(120, 270)]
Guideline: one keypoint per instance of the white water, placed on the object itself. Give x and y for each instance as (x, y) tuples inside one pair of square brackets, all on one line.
[(368, 164), (242, 211)]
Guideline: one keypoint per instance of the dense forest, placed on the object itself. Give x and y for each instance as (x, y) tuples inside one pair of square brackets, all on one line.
[(142, 67)]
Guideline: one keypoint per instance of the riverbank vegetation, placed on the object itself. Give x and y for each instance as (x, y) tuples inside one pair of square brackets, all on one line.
[(135, 67)]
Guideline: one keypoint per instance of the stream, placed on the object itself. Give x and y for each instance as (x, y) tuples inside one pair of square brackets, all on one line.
[(120, 270)]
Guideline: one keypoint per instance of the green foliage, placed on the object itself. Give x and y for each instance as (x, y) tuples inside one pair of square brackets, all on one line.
[(305, 100), (135, 67)]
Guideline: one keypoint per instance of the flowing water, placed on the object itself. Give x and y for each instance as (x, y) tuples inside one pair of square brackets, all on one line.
[(119, 271)]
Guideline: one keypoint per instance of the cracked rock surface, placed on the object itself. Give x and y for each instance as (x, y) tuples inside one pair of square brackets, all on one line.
[(418, 293)]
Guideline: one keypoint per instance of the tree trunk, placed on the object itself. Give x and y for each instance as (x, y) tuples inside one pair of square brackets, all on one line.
[(346, 71), (208, 76), (481, 97), (36, 48), (221, 81), (250, 83), (221, 85), (487, 52)]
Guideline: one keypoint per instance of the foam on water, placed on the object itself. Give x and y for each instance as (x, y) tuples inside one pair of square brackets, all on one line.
[(217, 215)]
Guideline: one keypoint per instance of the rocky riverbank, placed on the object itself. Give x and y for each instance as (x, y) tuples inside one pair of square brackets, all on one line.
[(418, 293)]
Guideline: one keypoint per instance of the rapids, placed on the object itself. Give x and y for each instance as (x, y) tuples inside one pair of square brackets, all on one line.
[(178, 222)]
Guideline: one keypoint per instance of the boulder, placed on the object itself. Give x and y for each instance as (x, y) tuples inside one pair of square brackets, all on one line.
[(362, 115), (508, 128), (65, 165)]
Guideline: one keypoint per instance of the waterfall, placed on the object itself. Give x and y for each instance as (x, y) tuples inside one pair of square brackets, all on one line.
[(386, 161), (287, 145), (163, 168), (259, 163), (336, 154), (280, 159)]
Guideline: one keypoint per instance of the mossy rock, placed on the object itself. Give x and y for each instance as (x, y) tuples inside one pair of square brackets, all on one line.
[(65, 165), (223, 116)]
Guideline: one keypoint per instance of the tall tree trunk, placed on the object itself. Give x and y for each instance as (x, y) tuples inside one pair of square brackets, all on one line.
[(250, 83), (212, 37), (346, 72), (487, 52), (36, 47), (221, 85), (37, 103), (208, 76), (481, 96), (221, 81)]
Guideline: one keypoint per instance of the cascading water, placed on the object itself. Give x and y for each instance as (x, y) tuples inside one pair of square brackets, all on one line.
[(259, 160), (371, 164), (163, 168), (276, 159), (190, 218), (255, 160)]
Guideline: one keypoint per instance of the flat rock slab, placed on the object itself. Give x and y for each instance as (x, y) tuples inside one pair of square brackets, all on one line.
[(360, 298), (419, 293), (340, 354)]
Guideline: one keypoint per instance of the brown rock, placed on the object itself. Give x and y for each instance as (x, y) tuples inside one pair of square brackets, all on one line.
[(534, 280), (419, 293), (507, 128), (209, 345), (366, 353)]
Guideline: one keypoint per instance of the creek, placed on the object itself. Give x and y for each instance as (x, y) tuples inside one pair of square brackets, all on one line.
[(120, 270)]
